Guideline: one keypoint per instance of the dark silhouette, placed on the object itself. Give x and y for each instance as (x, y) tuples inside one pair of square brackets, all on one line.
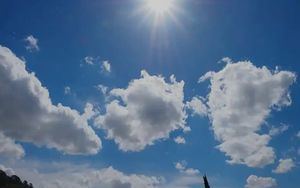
[(12, 181), (206, 185)]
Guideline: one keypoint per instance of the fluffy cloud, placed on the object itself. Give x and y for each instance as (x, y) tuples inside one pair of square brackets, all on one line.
[(65, 175), (32, 43), (28, 115), (9, 149), (106, 66), (181, 166), (241, 98), (189, 177), (179, 140), (285, 165), (197, 106), (260, 182), (146, 111)]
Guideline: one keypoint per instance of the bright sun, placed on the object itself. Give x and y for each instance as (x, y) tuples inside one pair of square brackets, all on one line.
[(159, 6)]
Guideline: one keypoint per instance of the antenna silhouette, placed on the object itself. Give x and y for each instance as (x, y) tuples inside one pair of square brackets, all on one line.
[(206, 185)]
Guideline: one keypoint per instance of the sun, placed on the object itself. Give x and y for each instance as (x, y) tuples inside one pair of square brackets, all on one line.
[(159, 6)]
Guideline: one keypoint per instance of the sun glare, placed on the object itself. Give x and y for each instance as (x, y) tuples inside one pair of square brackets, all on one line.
[(159, 6)]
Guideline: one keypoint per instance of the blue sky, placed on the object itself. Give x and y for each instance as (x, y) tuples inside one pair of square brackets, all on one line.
[(188, 44)]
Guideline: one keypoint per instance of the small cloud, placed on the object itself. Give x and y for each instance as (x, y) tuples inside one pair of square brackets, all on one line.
[(179, 140), (32, 43), (106, 67), (67, 90), (226, 60), (103, 89), (181, 166), (187, 129), (89, 60), (197, 106), (285, 165), (274, 131), (260, 182)]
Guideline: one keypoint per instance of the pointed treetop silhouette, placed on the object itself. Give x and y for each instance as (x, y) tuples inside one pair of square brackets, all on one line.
[(206, 185)]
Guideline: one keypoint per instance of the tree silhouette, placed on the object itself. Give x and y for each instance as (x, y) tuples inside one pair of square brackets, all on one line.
[(12, 181)]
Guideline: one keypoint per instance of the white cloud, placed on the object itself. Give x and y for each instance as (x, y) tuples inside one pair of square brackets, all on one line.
[(274, 131), (64, 175), (260, 182), (181, 166), (67, 175), (67, 90), (89, 111), (179, 140), (28, 115), (9, 149), (32, 43), (198, 106), (106, 66), (103, 89), (189, 177), (285, 165), (241, 98), (226, 60), (89, 60), (146, 111)]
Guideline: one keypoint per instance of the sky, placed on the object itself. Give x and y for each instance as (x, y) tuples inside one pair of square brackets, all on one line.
[(150, 93)]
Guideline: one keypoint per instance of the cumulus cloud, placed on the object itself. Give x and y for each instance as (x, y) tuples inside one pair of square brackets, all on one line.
[(260, 182), (9, 149), (106, 66), (182, 167), (189, 177), (27, 113), (147, 110), (67, 175), (179, 140), (64, 175), (197, 105), (241, 98), (285, 165), (31, 43)]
